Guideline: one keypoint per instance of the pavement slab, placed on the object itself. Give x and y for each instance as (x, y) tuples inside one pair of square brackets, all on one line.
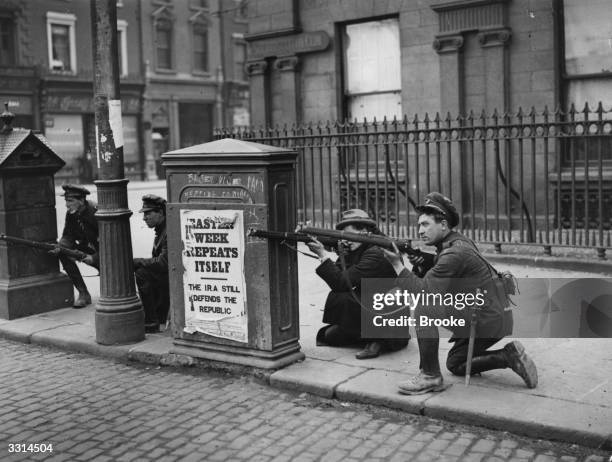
[(152, 349), (379, 387), (23, 329), (536, 416), (79, 337), (314, 376)]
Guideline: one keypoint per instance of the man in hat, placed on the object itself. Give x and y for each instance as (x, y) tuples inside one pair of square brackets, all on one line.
[(81, 233), (458, 268), (342, 311), (152, 273)]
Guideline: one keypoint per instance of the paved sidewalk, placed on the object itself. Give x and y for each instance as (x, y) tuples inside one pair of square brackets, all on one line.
[(572, 403)]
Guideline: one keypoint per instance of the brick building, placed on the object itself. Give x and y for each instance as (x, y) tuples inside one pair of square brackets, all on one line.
[(177, 78)]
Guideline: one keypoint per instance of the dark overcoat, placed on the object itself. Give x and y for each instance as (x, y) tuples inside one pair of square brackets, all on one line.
[(342, 307)]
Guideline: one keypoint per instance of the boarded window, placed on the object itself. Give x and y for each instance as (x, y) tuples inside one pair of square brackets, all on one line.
[(372, 77)]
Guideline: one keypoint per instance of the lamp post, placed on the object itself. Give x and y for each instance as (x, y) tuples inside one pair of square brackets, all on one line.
[(119, 314)]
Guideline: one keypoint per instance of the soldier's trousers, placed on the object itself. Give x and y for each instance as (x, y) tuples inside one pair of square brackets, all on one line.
[(73, 272), (153, 288)]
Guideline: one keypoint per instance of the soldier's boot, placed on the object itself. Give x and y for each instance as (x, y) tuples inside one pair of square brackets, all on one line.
[(72, 270), (512, 355), (520, 363), (486, 362), (429, 379)]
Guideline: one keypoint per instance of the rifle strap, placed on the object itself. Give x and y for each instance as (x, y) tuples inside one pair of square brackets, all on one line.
[(311, 255)]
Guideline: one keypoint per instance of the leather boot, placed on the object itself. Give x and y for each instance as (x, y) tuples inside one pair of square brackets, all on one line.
[(72, 270), (82, 300), (371, 350), (520, 363), (489, 361), (429, 379), (421, 383)]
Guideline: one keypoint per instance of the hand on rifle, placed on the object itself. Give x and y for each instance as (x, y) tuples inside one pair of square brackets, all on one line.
[(55, 250), (416, 260), (395, 258), (317, 248), (88, 260)]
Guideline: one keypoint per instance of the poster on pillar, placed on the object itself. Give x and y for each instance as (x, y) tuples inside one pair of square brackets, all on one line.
[(213, 281)]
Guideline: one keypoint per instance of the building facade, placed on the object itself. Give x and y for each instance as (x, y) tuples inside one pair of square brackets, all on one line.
[(460, 77), (340, 59), (172, 80)]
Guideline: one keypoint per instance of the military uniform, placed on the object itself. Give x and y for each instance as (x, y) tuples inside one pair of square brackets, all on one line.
[(151, 274), (456, 268), (81, 233)]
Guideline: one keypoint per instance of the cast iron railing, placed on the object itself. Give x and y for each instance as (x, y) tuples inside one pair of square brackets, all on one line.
[(537, 178)]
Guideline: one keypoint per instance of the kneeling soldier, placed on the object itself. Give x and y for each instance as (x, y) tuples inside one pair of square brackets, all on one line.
[(457, 267), (152, 273), (81, 233)]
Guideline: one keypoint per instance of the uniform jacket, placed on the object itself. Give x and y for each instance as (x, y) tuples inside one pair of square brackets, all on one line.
[(341, 307), (81, 231), (459, 267), (158, 262)]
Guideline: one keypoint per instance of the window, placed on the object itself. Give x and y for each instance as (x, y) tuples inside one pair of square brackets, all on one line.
[(372, 78), (588, 55), (163, 43), (122, 47), (587, 72), (200, 48), (61, 42), (7, 41), (239, 58)]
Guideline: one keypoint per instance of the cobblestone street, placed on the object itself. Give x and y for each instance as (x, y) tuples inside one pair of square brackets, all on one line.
[(93, 409)]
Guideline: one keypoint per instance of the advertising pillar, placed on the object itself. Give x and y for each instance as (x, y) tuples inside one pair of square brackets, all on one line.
[(233, 298)]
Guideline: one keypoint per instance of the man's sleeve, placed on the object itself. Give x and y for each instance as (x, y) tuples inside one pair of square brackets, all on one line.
[(368, 266), (159, 263), (438, 278)]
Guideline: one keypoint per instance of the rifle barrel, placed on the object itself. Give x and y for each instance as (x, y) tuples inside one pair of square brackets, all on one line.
[(292, 236), (368, 238), (76, 254)]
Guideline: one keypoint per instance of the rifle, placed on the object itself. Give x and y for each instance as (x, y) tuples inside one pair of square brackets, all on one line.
[(404, 245), (285, 237), (72, 253)]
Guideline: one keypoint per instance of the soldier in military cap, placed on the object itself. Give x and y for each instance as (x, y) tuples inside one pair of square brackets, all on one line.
[(457, 267), (152, 273), (342, 310), (81, 233)]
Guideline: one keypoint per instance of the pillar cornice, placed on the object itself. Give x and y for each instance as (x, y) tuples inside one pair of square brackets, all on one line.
[(287, 63), (256, 67), (448, 43), (497, 37)]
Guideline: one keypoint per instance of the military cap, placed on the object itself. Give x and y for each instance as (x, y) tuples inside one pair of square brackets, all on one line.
[(152, 202), (73, 190), (437, 202), (356, 217)]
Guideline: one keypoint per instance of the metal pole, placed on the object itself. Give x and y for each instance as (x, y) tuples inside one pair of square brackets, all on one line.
[(119, 315)]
